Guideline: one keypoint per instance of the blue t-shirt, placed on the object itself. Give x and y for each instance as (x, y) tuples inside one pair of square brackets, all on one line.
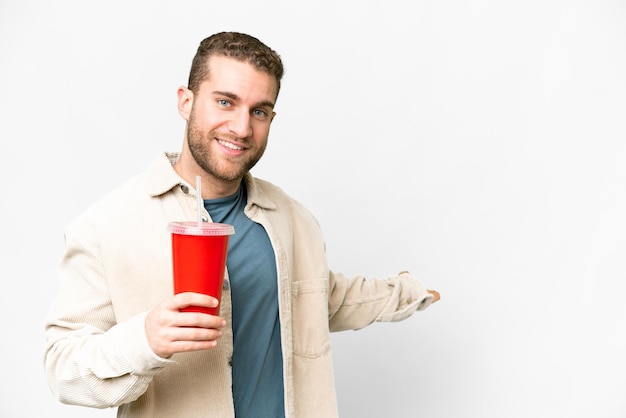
[(257, 356)]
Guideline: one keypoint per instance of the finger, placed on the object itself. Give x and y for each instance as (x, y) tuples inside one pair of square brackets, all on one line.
[(169, 332), (185, 299), (186, 346), (436, 295), (198, 320), (165, 348), (196, 334)]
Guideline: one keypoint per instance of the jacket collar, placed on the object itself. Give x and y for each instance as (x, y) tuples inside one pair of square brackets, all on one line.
[(163, 178), (256, 194)]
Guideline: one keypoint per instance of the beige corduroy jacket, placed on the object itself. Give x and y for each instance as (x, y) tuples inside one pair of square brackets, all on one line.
[(117, 266)]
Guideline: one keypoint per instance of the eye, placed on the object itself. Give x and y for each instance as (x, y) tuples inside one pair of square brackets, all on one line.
[(223, 103), (260, 113)]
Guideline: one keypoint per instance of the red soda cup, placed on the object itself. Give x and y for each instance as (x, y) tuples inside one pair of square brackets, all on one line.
[(199, 253)]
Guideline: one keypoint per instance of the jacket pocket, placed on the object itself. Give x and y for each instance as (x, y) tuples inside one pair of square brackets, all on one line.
[(311, 335)]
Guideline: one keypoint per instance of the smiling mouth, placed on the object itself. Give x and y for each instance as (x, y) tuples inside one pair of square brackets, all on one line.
[(230, 145)]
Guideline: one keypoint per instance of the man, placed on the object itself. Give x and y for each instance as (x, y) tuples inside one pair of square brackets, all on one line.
[(115, 334)]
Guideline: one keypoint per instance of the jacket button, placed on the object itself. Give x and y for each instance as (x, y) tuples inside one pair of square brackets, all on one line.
[(225, 285), (184, 188)]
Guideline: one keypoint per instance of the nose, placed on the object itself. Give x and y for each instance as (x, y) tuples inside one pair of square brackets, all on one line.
[(239, 124)]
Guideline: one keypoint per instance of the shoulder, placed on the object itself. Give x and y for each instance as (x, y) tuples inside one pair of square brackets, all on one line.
[(263, 192), (275, 200), (127, 202)]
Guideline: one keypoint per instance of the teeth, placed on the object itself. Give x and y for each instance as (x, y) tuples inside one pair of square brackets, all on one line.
[(229, 145)]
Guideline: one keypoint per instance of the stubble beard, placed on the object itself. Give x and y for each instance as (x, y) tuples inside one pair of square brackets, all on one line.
[(200, 144)]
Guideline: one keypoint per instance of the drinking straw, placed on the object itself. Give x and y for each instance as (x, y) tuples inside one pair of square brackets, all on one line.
[(199, 199)]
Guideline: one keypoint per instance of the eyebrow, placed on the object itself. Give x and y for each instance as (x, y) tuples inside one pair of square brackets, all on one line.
[(235, 97)]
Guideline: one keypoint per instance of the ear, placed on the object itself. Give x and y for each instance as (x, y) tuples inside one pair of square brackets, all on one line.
[(185, 102)]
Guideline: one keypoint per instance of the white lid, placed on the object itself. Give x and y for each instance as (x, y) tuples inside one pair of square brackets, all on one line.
[(206, 228)]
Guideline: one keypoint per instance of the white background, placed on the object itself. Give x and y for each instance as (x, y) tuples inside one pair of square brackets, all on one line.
[(480, 145)]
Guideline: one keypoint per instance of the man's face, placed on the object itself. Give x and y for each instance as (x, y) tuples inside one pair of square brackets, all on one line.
[(230, 118)]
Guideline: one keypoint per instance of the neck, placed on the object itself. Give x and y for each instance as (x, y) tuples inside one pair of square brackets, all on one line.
[(212, 188)]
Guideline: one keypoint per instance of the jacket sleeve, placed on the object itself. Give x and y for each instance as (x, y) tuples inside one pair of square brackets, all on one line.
[(356, 302), (90, 359)]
